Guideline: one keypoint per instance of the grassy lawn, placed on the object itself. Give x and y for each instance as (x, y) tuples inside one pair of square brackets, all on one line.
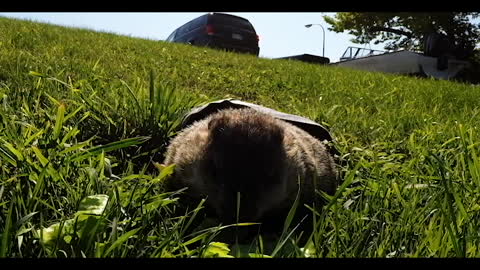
[(85, 116)]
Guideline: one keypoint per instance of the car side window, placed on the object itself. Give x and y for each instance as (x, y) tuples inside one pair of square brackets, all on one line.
[(172, 35), (181, 31), (199, 22)]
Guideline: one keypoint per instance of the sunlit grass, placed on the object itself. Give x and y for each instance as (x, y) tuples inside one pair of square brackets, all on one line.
[(85, 115)]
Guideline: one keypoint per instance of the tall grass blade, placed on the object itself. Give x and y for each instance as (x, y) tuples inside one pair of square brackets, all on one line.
[(59, 121), (6, 234), (96, 150), (38, 153), (120, 241)]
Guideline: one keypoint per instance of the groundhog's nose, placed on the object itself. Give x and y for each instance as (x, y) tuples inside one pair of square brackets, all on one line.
[(239, 206)]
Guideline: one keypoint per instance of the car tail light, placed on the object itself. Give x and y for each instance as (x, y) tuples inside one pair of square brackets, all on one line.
[(210, 30)]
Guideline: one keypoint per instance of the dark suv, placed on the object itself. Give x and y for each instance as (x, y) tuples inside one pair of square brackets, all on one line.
[(218, 30)]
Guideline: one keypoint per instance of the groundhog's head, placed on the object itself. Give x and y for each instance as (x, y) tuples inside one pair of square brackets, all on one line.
[(245, 155)]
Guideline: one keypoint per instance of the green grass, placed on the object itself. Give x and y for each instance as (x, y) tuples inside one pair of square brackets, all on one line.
[(84, 116)]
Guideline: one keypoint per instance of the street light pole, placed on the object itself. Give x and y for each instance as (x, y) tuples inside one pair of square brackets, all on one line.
[(323, 30)]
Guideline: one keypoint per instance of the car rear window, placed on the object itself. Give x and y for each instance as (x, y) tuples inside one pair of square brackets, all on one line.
[(231, 21)]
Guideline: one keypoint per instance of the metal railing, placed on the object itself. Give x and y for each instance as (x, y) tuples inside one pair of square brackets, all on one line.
[(357, 52)]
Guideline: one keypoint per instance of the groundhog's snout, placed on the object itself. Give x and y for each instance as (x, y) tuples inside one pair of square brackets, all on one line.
[(239, 207)]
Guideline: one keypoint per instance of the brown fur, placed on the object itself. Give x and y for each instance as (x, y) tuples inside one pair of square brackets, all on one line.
[(263, 158)]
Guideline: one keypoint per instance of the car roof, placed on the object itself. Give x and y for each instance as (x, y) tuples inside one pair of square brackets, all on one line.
[(229, 15)]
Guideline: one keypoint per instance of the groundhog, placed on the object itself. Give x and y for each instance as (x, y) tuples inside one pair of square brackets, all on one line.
[(265, 160)]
